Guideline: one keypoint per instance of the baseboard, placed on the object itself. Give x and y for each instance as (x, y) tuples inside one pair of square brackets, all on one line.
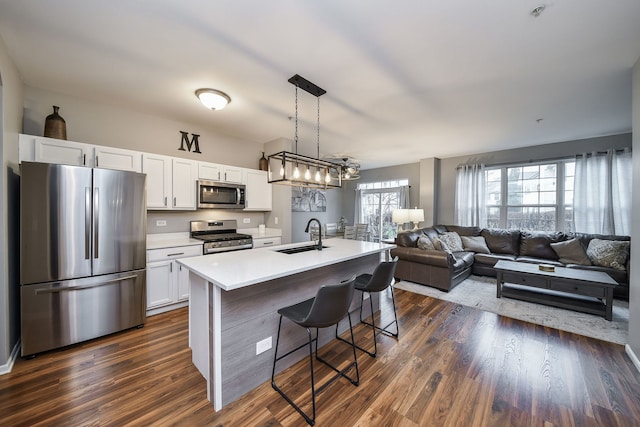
[(632, 356), (15, 353)]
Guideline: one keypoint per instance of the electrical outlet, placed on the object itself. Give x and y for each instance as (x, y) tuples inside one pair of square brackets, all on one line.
[(276, 220), (262, 346), (246, 220), (161, 223)]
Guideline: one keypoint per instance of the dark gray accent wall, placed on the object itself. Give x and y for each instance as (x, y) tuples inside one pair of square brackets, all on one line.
[(447, 182)]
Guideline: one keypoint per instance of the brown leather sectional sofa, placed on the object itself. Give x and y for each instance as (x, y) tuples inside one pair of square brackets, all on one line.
[(444, 269)]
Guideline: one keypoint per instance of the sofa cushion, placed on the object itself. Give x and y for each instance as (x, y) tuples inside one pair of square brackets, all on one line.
[(424, 242), (452, 241), (475, 244), (408, 238), (571, 252), (464, 230), (462, 260), (537, 244), (608, 253), (501, 241), (434, 258)]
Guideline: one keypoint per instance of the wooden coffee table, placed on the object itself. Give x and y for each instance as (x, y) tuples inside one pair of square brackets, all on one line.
[(581, 290)]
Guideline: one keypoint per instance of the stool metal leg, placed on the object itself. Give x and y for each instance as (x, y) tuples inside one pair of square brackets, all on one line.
[(373, 325), (340, 373)]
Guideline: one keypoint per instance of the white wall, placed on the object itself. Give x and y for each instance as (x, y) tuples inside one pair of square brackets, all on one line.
[(447, 176), (118, 127), (634, 282), (10, 126)]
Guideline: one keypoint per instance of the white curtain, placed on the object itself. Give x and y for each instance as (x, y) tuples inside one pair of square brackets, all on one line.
[(357, 217), (602, 193), (470, 209), (403, 197)]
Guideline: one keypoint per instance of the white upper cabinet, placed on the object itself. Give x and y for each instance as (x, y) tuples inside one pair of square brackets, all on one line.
[(185, 175), (233, 174), (117, 158), (171, 182), (159, 180), (220, 173), (209, 171), (258, 191), (50, 150)]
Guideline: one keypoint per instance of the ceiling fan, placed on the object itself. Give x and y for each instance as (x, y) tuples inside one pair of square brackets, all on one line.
[(350, 166)]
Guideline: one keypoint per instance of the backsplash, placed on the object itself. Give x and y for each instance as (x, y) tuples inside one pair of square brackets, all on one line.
[(178, 221)]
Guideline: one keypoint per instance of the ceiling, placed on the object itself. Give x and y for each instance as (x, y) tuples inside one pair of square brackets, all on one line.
[(405, 79)]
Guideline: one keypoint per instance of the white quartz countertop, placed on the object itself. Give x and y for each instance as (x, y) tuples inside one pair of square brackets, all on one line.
[(238, 269), (170, 240), (255, 233)]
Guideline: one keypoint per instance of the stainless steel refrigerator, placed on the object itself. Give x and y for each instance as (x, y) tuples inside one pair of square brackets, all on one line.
[(83, 253)]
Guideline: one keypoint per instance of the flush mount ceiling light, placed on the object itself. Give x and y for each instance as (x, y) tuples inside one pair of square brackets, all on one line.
[(213, 99), (295, 169), (536, 11)]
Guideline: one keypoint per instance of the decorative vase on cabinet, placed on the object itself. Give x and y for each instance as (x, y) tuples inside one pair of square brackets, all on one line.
[(55, 126), (263, 164)]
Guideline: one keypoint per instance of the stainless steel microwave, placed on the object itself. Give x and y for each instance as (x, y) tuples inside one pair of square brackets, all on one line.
[(219, 195)]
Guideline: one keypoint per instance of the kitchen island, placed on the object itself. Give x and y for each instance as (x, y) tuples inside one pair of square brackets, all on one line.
[(233, 305)]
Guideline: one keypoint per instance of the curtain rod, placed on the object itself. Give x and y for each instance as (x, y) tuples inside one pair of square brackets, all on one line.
[(617, 150)]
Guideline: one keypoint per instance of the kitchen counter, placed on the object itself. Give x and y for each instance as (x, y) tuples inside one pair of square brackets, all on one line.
[(234, 270), (255, 233), (171, 240), (234, 301)]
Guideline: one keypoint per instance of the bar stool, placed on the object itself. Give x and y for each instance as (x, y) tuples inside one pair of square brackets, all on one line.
[(380, 280), (327, 308)]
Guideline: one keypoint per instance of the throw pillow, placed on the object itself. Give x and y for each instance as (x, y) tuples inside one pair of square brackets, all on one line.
[(452, 241), (475, 244), (609, 253), (424, 242), (571, 252)]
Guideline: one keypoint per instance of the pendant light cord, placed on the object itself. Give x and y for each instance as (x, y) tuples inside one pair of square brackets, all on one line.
[(296, 135), (318, 128)]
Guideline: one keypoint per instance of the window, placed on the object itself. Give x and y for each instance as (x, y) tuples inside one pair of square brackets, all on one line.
[(377, 202), (531, 197)]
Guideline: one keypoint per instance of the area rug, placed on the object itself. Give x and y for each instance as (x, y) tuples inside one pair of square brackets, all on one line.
[(480, 292)]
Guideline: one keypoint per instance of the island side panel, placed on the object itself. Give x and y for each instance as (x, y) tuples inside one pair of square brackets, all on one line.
[(250, 315)]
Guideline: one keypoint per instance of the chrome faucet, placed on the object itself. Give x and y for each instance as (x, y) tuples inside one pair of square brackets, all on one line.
[(306, 230)]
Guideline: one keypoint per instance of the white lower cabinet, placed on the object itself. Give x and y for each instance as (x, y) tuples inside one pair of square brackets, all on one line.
[(261, 242), (168, 281)]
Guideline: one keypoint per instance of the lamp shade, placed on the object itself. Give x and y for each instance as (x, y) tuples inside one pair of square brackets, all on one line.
[(400, 216), (416, 215), (213, 99)]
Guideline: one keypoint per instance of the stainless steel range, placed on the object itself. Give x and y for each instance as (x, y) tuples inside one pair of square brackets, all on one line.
[(220, 236)]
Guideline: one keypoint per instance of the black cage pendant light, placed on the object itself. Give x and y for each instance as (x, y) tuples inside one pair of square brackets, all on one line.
[(290, 168)]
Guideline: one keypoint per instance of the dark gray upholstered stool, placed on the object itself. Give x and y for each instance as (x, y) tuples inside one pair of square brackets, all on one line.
[(380, 280), (327, 308)]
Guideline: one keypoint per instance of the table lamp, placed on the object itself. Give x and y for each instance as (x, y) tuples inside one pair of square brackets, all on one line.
[(416, 216), (400, 217)]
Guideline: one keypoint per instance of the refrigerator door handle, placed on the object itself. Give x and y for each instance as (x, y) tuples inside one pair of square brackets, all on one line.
[(87, 223), (96, 222), (78, 288)]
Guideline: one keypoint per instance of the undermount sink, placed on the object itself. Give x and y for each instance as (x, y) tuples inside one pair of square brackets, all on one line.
[(299, 249)]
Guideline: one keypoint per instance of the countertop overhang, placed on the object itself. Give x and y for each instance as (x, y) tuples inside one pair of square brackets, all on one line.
[(238, 269)]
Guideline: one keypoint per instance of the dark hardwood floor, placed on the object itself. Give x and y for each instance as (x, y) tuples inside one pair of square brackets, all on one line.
[(452, 366)]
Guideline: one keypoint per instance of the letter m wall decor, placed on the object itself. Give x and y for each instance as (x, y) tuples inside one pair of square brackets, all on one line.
[(193, 143)]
